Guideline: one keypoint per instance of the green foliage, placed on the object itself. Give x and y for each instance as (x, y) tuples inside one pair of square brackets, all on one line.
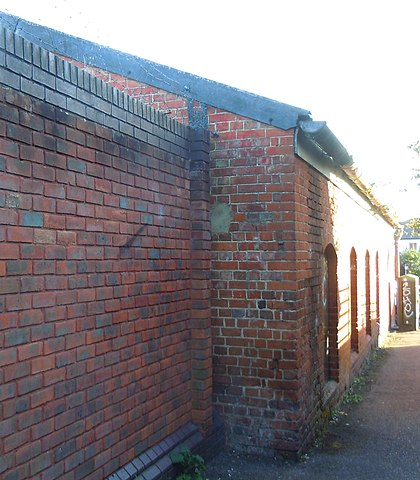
[(410, 262), (416, 149), (192, 466), (414, 224), (359, 381), (351, 397)]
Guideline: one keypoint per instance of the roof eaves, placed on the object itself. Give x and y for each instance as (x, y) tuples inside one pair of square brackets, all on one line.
[(327, 145), (181, 83), (324, 139), (354, 175)]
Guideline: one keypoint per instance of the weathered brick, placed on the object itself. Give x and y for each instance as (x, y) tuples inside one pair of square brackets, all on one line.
[(31, 153), (8, 356), (43, 172), (19, 267), (42, 332), (34, 382), (84, 469), (32, 186), (54, 221), (11, 200), (19, 302), (44, 141), (31, 317), (20, 234), (19, 134), (54, 190), (32, 219), (7, 391), (55, 252), (28, 451), (8, 182), (31, 121), (30, 417), (29, 350), (8, 427), (41, 462), (41, 364), (45, 236), (19, 167), (9, 113), (42, 429), (55, 160), (44, 204), (13, 372), (9, 320), (54, 472), (9, 251), (76, 165), (9, 148)]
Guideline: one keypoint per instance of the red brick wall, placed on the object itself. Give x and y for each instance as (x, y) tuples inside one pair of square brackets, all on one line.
[(97, 323), (273, 216), (254, 283), (328, 212)]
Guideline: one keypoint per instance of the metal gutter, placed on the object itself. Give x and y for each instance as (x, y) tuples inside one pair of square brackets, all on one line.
[(317, 138), (324, 139)]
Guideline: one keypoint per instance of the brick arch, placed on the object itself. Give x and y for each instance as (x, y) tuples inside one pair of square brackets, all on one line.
[(331, 363), (354, 310)]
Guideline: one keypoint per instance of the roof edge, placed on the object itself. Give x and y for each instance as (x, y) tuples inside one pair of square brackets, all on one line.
[(181, 83), (327, 145), (355, 176)]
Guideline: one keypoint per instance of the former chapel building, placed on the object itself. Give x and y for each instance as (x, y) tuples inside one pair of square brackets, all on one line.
[(181, 262)]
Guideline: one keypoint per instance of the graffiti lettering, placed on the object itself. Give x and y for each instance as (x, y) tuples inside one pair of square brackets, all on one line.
[(406, 294)]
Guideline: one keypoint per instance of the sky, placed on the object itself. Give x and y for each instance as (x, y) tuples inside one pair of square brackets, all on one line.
[(354, 64)]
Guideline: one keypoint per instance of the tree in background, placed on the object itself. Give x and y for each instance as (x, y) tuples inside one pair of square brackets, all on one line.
[(415, 222), (415, 147), (410, 262)]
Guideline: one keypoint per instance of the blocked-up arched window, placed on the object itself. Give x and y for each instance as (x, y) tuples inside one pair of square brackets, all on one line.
[(368, 315), (354, 313), (377, 312), (331, 364)]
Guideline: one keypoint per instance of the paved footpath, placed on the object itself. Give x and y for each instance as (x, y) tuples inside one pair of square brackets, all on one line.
[(377, 439)]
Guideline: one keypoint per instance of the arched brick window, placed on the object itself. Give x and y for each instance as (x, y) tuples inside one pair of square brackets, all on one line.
[(331, 366), (377, 313), (367, 295), (354, 314)]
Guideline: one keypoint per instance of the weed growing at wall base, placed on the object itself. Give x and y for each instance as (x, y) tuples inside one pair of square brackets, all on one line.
[(192, 466), (352, 397)]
